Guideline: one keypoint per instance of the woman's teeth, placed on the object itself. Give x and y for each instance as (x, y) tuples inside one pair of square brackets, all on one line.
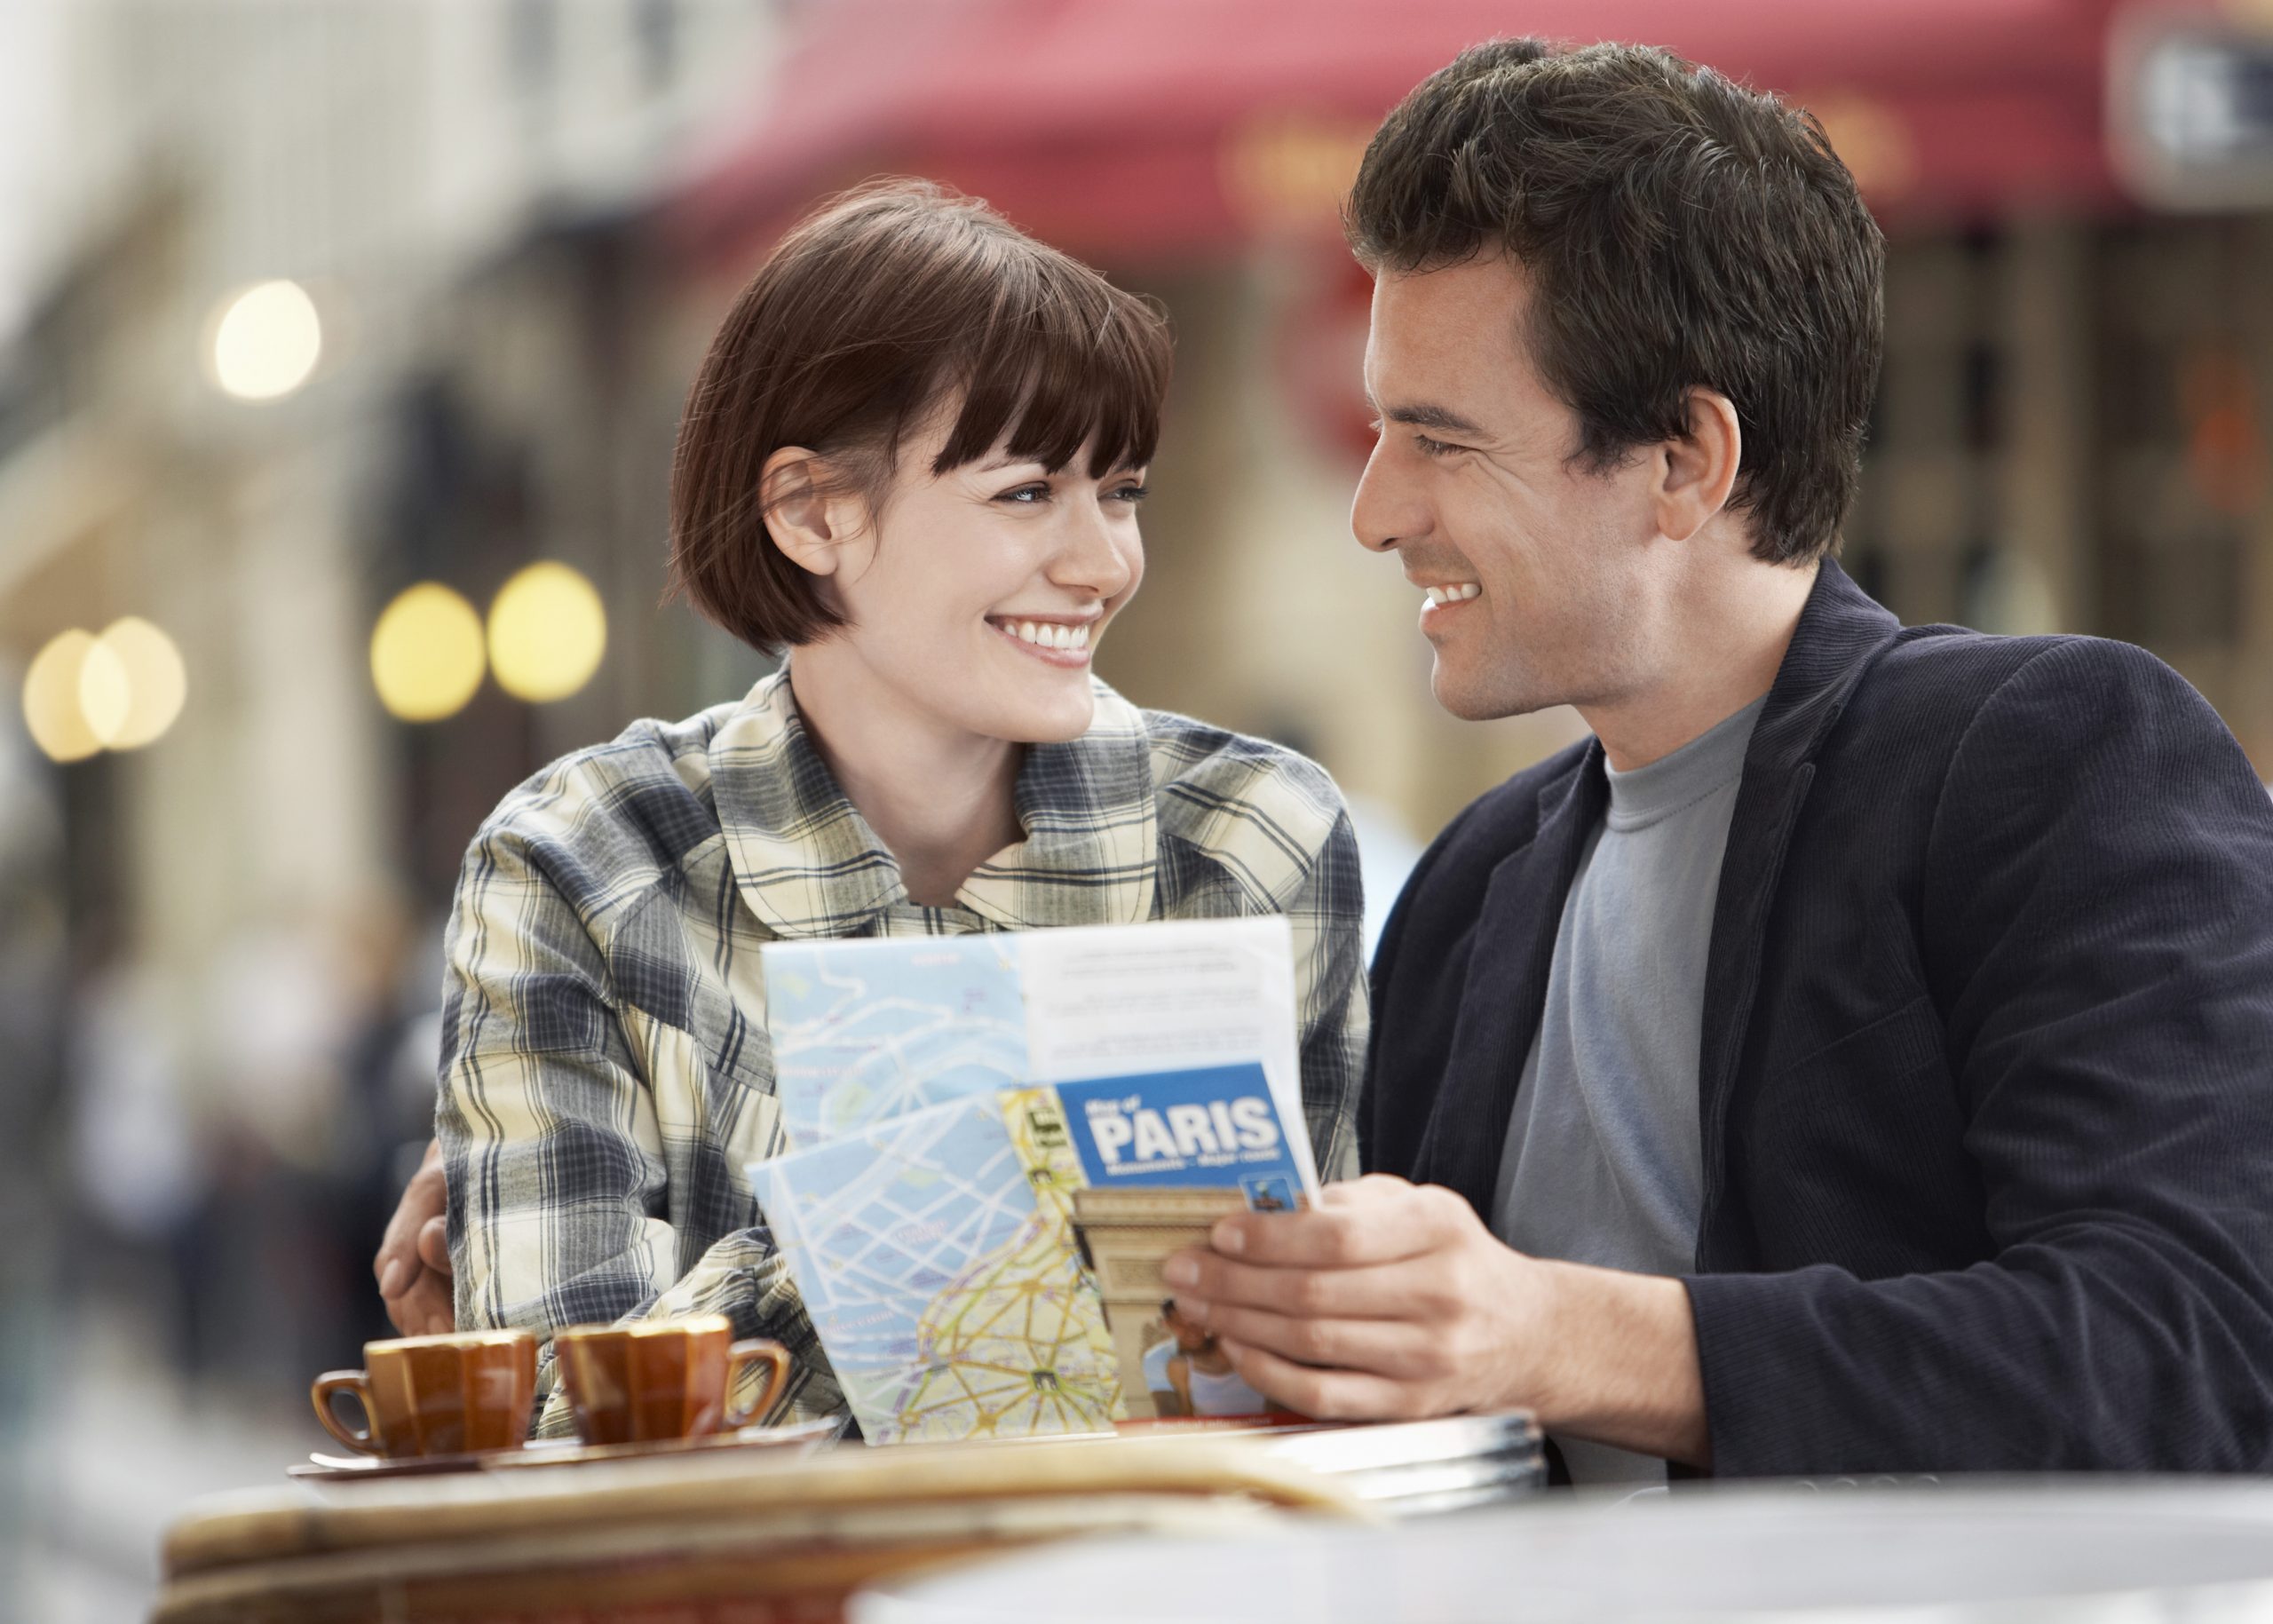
[(1047, 634), (1441, 595)]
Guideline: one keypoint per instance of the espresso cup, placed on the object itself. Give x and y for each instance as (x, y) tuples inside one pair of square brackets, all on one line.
[(452, 1394), (661, 1379)]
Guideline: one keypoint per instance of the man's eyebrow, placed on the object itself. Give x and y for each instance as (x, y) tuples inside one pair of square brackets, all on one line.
[(1427, 415)]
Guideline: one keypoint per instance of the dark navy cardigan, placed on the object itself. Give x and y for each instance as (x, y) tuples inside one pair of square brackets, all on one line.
[(1986, 1078)]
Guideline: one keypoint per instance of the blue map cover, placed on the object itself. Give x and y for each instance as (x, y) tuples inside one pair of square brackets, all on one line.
[(1207, 1128)]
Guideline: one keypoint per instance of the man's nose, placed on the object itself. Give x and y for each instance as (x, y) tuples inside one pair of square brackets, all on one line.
[(1382, 515)]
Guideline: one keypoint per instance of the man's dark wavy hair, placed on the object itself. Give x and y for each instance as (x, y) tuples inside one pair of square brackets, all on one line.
[(1678, 230)]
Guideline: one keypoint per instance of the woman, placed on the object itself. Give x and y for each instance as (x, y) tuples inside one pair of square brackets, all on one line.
[(1188, 1373), (913, 458)]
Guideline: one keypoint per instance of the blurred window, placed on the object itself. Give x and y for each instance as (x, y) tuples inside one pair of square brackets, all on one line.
[(657, 25), (534, 39)]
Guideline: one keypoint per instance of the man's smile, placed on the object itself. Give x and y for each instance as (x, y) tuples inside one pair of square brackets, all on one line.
[(1439, 601)]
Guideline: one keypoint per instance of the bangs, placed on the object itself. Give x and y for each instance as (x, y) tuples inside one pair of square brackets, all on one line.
[(883, 305), (1062, 360)]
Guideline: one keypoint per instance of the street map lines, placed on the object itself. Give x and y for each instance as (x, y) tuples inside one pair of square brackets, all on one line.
[(1012, 1349), (947, 1022), (938, 1281)]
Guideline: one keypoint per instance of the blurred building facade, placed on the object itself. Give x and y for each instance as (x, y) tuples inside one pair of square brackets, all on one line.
[(2070, 437), (398, 161), (221, 951)]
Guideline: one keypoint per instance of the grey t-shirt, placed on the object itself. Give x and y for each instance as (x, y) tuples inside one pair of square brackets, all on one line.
[(1604, 1163)]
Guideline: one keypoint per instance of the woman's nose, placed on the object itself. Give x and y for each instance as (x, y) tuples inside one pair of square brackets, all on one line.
[(1093, 555)]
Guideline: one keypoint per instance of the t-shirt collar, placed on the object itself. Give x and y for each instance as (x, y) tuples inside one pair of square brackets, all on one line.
[(1713, 760)]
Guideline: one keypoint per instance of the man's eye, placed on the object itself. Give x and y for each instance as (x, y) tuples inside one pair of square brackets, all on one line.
[(1435, 448)]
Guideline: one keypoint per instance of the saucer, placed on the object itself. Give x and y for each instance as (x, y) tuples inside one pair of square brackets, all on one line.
[(561, 1452)]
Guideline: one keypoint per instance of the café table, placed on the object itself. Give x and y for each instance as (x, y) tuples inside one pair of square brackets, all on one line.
[(2075, 1550), (750, 1536)]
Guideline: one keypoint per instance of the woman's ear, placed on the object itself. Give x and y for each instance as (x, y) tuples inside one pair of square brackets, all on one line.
[(806, 515)]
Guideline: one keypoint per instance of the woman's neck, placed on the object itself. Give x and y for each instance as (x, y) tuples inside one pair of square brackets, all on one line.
[(942, 799)]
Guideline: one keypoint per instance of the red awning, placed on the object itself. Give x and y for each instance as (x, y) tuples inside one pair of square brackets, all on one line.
[(1150, 129)]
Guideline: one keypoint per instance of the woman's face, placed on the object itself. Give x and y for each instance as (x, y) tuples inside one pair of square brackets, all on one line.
[(978, 596), (1189, 1338)]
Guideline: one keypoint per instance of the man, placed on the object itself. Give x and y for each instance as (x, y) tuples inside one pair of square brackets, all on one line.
[(1857, 1057)]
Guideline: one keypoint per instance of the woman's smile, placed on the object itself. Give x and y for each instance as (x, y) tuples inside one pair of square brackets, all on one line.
[(1063, 643)]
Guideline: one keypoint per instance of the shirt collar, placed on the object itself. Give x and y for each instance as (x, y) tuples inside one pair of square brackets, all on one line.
[(809, 864)]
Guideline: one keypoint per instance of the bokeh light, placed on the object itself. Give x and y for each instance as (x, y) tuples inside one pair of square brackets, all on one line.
[(106, 692), (426, 658), (548, 633), (153, 684), (53, 710), (267, 341)]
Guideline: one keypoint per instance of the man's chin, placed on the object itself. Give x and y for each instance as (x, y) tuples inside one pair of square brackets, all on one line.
[(1474, 701)]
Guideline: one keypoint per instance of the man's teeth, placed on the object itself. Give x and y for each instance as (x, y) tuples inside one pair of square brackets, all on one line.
[(1047, 634), (1440, 595)]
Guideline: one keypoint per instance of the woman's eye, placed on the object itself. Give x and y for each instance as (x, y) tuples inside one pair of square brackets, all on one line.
[(1027, 495), (1133, 494)]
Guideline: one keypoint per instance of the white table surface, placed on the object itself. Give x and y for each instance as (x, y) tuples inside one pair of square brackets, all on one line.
[(2078, 1550)]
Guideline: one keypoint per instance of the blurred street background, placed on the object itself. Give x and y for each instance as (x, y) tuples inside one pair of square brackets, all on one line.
[(342, 345)]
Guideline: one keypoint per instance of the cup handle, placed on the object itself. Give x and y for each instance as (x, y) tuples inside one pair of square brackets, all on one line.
[(738, 1359), (344, 1382)]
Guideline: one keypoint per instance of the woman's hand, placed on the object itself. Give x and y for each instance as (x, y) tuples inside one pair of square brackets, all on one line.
[(414, 1262)]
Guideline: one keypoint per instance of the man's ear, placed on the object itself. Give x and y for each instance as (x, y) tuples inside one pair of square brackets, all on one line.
[(1699, 465), (808, 516)]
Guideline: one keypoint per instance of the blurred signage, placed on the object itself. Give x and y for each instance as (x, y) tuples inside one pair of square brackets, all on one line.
[(1287, 171), (1872, 139), (2190, 111), (1320, 359)]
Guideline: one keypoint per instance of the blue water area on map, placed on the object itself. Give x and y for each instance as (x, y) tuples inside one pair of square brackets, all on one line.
[(867, 1031), (1210, 1127)]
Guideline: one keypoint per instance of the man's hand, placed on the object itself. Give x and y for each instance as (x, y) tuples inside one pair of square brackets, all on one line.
[(414, 1262), (1392, 1300)]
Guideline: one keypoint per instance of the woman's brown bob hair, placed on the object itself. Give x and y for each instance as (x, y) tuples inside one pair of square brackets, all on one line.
[(880, 307)]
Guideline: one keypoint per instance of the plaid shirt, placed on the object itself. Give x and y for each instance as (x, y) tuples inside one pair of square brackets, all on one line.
[(605, 1067)]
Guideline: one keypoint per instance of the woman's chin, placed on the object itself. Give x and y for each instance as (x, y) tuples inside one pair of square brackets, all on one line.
[(1045, 719)]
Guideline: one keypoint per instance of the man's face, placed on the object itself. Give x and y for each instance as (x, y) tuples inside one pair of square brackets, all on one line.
[(1547, 568)]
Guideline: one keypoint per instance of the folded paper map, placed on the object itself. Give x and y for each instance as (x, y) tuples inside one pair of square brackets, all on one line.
[(867, 1030), (950, 1102)]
